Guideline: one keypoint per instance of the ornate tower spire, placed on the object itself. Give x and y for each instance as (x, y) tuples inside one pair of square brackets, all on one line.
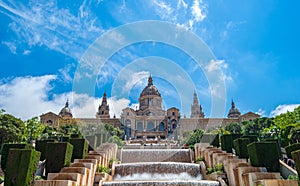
[(67, 103), (232, 104), (196, 109), (104, 100), (150, 81), (103, 110), (195, 101)]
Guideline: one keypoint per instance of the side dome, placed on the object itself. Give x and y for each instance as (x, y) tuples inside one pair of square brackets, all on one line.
[(234, 112), (150, 89), (66, 111)]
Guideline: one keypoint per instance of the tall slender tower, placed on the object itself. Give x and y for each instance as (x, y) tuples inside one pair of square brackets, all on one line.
[(196, 109), (103, 109)]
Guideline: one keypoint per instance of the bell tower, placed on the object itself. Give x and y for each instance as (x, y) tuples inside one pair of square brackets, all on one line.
[(196, 109), (103, 109)]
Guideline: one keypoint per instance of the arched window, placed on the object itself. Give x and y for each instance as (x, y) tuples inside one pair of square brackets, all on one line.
[(161, 126), (174, 124), (128, 123), (140, 126), (150, 126)]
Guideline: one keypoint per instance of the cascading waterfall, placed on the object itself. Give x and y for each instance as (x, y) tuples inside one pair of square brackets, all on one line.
[(156, 155), (157, 167), (158, 171)]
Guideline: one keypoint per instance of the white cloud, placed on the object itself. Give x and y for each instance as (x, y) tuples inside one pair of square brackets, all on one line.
[(280, 109), (181, 13), (135, 78), (45, 23), (261, 112), (11, 46), (214, 65), (164, 9), (65, 73), (222, 66), (26, 97), (197, 11), (26, 52)]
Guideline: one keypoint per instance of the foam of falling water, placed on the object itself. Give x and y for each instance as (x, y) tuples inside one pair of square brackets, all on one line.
[(162, 183), (155, 155), (157, 176)]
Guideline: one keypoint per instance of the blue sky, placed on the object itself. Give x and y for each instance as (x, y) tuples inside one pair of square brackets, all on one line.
[(254, 43)]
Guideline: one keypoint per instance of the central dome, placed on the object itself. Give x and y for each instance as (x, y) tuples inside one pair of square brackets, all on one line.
[(150, 89)]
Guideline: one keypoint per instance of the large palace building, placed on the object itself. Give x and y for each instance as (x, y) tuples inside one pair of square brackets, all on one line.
[(150, 120)]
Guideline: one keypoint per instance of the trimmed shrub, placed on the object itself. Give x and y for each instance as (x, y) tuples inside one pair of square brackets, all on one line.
[(58, 155), (226, 142), (80, 148), (264, 154), (235, 136), (275, 141), (99, 139), (252, 138), (21, 167), (92, 142), (240, 146), (41, 145), (56, 138), (5, 150), (65, 138), (212, 139), (75, 136), (296, 158), (289, 149)]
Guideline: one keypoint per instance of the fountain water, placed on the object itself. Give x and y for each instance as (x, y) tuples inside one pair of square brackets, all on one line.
[(162, 183), (157, 171), (157, 167), (156, 155)]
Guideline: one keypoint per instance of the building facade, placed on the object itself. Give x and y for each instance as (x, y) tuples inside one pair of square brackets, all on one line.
[(150, 120)]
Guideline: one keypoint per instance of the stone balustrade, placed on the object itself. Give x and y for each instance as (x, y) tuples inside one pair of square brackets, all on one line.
[(238, 171)]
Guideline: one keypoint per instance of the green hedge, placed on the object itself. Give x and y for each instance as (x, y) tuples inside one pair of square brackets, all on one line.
[(100, 137), (212, 139), (80, 148), (252, 138), (275, 141), (296, 158), (41, 145), (75, 136), (58, 155), (92, 142), (5, 151), (264, 154), (240, 146), (226, 142), (289, 149), (65, 139), (21, 167)]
